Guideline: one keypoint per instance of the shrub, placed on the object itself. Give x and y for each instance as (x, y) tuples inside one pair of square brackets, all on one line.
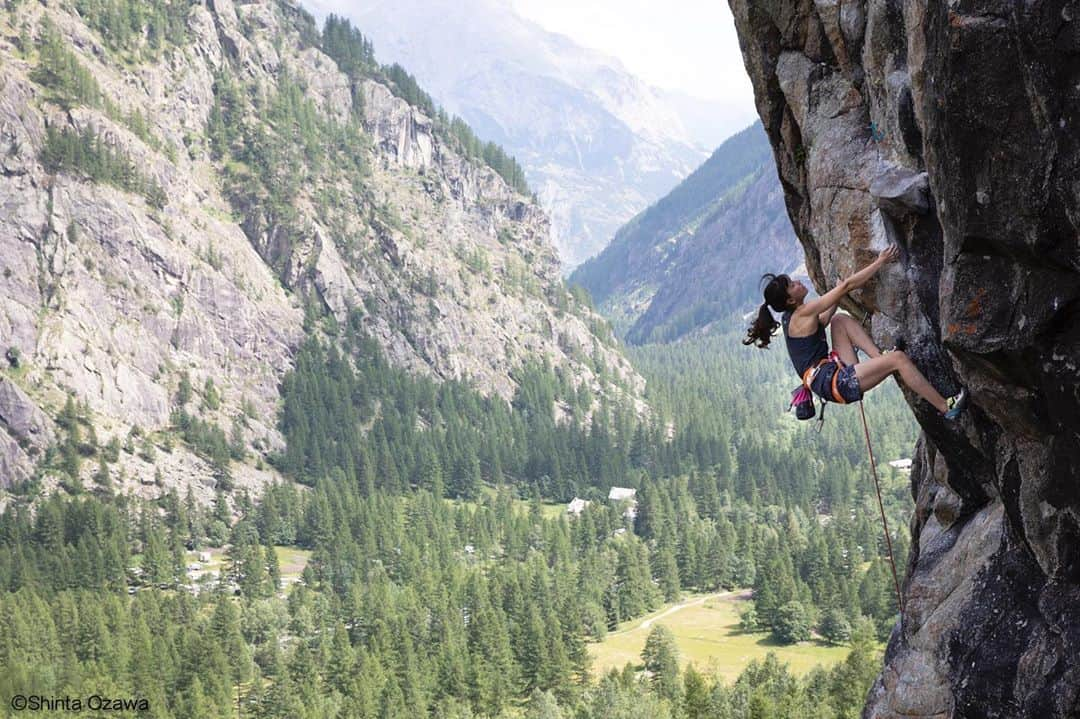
[(835, 627), (792, 625)]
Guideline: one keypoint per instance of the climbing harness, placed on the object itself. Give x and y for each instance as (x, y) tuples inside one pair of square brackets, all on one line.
[(881, 507), (808, 379), (802, 398)]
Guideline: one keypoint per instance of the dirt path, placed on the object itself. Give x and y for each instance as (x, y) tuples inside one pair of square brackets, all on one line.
[(681, 605)]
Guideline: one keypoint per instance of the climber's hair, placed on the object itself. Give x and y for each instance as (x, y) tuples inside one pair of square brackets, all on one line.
[(761, 332)]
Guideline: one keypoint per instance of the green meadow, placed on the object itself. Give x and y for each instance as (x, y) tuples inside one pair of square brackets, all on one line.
[(706, 629), (291, 560), (548, 510)]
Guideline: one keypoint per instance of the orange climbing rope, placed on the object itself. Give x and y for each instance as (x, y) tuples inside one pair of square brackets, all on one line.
[(884, 523)]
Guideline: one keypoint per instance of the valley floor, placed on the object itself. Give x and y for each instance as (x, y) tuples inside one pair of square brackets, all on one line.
[(706, 629)]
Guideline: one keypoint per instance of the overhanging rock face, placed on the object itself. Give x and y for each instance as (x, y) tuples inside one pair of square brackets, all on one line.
[(953, 129)]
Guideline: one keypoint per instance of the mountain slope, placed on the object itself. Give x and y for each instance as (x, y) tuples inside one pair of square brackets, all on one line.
[(598, 145), (184, 205), (696, 255)]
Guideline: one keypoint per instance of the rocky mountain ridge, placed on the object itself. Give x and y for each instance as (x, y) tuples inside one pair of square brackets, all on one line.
[(598, 144), (950, 129), (275, 196)]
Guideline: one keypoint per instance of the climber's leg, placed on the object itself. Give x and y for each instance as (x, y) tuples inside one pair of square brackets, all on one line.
[(847, 334), (874, 370)]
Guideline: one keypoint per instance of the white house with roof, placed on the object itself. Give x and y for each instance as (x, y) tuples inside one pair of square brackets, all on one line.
[(627, 496), (577, 506)]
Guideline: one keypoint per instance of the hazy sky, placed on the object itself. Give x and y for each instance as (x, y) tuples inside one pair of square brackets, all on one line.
[(687, 45)]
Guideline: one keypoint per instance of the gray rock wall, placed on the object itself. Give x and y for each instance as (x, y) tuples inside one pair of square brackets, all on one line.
[(951, 129), (108, 298)]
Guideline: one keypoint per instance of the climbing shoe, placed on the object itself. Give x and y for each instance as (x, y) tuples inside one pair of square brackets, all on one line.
[(956, 404)]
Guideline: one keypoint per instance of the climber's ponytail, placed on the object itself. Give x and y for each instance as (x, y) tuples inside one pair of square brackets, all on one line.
[(761, 332)]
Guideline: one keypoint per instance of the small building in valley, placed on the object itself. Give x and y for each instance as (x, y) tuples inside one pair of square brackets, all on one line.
[(577, 506), (627, 497)]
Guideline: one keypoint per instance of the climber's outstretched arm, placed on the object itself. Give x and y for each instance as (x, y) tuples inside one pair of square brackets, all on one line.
[(829, 301)]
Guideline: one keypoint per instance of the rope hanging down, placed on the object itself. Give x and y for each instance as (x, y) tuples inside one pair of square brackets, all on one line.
[(884, 523)]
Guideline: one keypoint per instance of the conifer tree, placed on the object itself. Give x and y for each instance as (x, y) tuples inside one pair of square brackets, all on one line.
[(273, 570), (661, 657), (225, 631)]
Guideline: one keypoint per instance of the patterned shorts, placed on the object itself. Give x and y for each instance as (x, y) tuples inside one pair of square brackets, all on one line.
[(847, 384)]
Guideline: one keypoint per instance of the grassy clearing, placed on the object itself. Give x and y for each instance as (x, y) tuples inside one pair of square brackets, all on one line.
[(706, 629), (217, 558), (292, 561), (549, 510)]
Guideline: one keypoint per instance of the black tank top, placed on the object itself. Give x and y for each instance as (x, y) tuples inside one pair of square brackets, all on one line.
[(806, 351)]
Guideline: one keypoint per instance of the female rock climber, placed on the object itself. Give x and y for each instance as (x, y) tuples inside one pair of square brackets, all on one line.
[(845, 380)]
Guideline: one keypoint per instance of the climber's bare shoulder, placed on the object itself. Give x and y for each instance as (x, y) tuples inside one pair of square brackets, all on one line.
[(802, 324)]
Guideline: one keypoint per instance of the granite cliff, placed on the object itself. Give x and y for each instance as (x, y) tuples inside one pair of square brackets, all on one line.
[(190, 199), (951, 130)]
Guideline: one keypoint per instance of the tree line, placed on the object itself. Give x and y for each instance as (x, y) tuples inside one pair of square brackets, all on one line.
[(409, 606)]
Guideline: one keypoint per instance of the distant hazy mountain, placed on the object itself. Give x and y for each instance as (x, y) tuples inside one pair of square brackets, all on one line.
[(696, 256), (597, 144), (707, 122)]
